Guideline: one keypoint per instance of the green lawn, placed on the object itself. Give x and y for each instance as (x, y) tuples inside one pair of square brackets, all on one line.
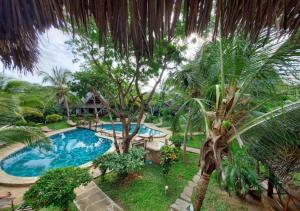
[(57, 125), (195, 141), (146, 192)]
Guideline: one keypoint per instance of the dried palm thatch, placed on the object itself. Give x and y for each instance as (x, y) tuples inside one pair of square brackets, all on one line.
[(140, 22)]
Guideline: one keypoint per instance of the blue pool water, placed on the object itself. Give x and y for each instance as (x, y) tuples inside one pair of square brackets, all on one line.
[(72, 148), (143, 129)]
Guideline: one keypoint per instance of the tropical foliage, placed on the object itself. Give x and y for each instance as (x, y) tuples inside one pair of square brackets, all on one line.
[(121, 164), (56, 188), (12, 112), (59, 78), (240, 83), (168, 155)]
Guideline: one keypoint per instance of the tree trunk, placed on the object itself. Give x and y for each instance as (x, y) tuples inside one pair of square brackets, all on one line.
[(270, 188), (186, 136), (201, 191), (257, 167), (95, 108), (114, 133), (67, 107)]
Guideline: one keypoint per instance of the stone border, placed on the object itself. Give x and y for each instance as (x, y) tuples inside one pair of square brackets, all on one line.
[(15, 181)]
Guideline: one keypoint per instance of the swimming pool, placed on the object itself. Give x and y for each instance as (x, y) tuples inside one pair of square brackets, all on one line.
[(144, 130), (72, 148)]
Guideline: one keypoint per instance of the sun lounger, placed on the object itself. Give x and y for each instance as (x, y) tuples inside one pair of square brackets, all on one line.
[(45, 129), (71, 123), (2, 144)]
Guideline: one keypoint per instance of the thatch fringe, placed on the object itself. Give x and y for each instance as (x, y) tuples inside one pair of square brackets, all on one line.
[(140, 22)]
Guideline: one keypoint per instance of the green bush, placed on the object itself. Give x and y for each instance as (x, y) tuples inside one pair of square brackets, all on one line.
[(150, 118), (21, 122), (53, 118), (168, 155), (239, 173), (177, 140), (56, 188), (122, 164), (33, 115)]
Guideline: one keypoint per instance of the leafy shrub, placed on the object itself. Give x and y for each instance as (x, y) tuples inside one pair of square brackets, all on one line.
[(56, 187), (52, 108), (122, 164), (53, 118), (33, 115), (167, 114), (150, 118), (168, 155), (239, 174), (21, 122), (177, 140)]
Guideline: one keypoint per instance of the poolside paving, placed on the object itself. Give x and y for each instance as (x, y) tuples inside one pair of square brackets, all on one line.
[(92, 198)]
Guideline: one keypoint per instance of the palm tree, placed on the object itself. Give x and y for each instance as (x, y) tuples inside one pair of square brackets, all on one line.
[(242, 81), (10, 113), (59, 78), (187, 84)]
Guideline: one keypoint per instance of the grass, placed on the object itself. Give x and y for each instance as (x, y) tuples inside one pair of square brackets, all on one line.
[(57, 125), (217, 200), (296, 178), (146, 192), (195, 141)]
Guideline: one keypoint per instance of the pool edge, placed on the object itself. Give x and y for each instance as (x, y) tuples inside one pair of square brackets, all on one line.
[(16, 181)]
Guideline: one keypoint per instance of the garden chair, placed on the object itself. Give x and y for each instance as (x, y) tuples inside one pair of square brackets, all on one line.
[(46, 129), (71, 123)]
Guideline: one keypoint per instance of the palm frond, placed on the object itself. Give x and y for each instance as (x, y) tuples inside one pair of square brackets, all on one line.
[(26, 135)]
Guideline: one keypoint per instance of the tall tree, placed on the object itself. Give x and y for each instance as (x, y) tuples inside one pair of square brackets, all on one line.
[(243, 80), (117, 79), (59, 78)]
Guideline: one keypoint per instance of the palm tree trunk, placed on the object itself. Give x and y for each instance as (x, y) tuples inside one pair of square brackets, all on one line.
[(67, 107), (201, 191), (186, 136)]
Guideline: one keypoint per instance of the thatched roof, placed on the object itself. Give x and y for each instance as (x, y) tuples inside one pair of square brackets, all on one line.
[(141, 22)]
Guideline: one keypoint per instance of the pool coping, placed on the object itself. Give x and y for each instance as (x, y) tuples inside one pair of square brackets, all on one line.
[(149, 125), (16, 181)]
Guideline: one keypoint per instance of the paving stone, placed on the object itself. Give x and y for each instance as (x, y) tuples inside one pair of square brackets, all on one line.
[(192, 184), (87, 193), (196, 178), (94, 199), (188, 191), (185, 197), (174, 207), (98, 206), (182, 204)]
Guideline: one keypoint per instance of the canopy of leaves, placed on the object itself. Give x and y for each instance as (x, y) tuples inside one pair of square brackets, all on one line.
[(56, 187)]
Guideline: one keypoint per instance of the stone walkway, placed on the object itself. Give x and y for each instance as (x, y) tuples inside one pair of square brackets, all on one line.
[(184, 201), (193, 150), (92, 198)]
